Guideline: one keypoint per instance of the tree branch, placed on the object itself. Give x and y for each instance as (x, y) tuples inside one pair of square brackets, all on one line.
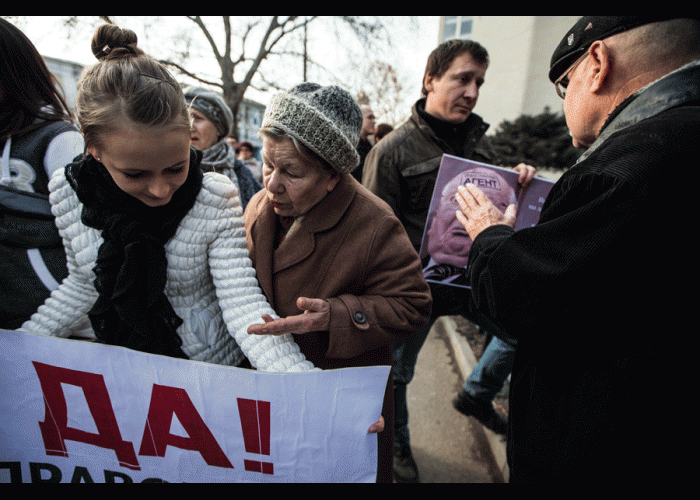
[(266, 49), (191, 75), (198, 21)]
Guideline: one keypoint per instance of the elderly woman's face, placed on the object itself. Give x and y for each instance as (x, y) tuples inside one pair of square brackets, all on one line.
[(203, 132), (295, 183)]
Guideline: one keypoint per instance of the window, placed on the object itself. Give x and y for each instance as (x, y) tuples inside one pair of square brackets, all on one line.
[(465, 27), (457, 27)]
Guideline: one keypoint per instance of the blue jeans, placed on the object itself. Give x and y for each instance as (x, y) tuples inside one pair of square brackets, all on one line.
[(488, 376)]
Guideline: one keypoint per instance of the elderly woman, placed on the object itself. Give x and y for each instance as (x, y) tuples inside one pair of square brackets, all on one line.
[(211, 121), (331, 257)]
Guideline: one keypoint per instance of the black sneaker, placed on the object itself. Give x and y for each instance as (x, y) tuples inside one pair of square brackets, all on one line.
[(405, 468), (483, 411)]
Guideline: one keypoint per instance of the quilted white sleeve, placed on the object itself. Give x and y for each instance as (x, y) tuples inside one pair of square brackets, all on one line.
[(237, 289), (66, 309)]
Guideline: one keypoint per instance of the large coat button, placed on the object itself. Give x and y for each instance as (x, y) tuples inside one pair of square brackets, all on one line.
[(359, 317)]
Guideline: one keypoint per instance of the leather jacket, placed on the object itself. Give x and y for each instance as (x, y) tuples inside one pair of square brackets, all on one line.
[(402, 168)]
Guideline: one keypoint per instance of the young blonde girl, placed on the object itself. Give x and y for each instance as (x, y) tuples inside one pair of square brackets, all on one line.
[(156, 249)]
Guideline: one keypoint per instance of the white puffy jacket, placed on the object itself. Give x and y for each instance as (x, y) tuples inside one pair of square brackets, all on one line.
[(211, 282)]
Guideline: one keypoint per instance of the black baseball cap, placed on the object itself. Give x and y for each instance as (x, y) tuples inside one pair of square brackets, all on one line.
[(587, 30)]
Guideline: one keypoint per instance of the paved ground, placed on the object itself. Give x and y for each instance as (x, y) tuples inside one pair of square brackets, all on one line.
[(447, 446)]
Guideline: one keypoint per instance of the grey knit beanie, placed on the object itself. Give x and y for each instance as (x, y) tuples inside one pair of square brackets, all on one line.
[(327, 120), (211, 105)]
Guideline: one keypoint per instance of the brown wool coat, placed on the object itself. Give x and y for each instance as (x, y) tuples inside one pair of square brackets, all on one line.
[(351, 250)]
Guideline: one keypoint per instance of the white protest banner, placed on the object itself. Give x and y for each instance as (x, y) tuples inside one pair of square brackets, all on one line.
[(75, 411)]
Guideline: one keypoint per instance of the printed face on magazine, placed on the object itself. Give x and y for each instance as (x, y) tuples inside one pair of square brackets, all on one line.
[(448, 241)]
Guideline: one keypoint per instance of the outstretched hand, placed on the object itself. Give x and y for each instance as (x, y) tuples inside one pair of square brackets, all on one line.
[(477, 212), (316, 317)]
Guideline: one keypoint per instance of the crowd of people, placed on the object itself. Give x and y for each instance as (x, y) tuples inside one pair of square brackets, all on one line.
[(316, 264)]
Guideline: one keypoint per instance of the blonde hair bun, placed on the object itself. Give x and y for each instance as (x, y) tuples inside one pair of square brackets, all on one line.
[(111, 42), (126, 86)]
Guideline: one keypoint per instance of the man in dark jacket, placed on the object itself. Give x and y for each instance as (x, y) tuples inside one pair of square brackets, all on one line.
[(592, 292), (402, 169)]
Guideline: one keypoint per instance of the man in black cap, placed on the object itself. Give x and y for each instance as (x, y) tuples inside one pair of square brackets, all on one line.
[(592, 292)]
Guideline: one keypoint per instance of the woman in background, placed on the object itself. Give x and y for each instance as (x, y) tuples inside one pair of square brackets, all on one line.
[(245, 154), (212, 121), (37, 137)]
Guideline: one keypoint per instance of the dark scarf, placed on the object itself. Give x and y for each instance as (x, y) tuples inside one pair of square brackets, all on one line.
[(454, 135), (131, 268)]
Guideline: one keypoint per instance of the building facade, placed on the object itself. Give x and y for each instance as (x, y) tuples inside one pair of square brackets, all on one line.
[(250, 115), (67, 74), (520, 49)]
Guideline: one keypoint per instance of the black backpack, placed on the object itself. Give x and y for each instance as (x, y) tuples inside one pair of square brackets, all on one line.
[(32, 257)]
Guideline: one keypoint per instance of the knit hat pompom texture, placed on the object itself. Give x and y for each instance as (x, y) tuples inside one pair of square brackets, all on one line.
[(327, 120)]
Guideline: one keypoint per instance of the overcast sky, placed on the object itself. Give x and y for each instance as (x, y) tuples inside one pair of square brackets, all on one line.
[(413, 40)]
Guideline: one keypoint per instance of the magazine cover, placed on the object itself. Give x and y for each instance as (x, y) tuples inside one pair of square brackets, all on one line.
[(445, 248)]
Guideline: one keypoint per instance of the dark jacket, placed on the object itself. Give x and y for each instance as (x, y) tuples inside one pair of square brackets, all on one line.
[(592, 295), (22, 290), (248, 185), (363, 148), (401, 168)]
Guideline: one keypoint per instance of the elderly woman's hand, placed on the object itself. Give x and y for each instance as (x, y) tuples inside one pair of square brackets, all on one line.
[(478, 212), (525, 173), (316, 317)]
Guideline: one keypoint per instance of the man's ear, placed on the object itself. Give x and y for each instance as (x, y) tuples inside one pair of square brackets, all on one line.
[(428, 82), (600, 65)]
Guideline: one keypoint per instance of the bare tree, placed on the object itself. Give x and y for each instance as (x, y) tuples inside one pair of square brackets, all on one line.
[(241, 51), (382, 88), (233, 86)]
